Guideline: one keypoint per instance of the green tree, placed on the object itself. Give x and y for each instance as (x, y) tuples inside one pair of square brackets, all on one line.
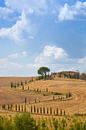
[(43, 71), (25, 122)]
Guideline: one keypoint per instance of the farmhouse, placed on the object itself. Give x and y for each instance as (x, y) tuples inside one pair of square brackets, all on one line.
[(66, 74)]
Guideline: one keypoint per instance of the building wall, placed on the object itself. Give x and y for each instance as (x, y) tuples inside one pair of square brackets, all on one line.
[(66, 74)]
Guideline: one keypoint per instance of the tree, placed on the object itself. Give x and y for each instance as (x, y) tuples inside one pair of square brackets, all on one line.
[(25, 122), (83, 76), (18, 84), (12, 85), (43, 71)]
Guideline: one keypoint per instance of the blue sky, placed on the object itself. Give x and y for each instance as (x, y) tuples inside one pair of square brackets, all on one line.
[(37, 33)]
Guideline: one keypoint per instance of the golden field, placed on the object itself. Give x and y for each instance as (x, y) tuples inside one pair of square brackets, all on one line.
[(77, 104)]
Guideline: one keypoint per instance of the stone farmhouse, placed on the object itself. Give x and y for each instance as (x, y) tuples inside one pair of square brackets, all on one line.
[(66, 74)]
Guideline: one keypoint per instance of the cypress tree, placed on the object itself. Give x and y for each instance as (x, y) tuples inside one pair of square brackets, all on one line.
[(22, 108), (37, 110), (11, 85), (28, 88), (53, 98), (64, 112), (47, 110), (40, 110), (16, 107), (50, 110), (57, 111), (11, 106), (19, 107), (43, 110), (22, 87), (17, 84), (34, 109), (54, 112), (61, 112)]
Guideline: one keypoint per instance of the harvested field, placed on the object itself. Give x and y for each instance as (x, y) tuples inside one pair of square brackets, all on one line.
[(5, 81), (17, 96)]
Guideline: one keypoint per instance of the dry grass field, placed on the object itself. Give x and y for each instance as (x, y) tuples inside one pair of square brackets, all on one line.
[(5, 81), (77, 104)]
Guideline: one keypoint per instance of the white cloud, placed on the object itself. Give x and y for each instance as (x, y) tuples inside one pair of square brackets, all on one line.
[(5, 64), (12, 8), (17, 55), (30, 6), (69, 12), (23, 30), (54, 57), (19, 30), (57, 59), (14, 56), (82, 60), (51, 53), (5, 12), (10, 62), (24, 53)]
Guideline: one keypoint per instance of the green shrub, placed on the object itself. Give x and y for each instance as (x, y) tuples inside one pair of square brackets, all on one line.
[(25, 122), (55, 124), (6, 124)]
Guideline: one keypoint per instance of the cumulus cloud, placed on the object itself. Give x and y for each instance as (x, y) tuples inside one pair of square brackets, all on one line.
[(70, 12), (23, 30), (19, 30), (57, 59), (5, 12), (29, 6), (51, 53), (54, 57)]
